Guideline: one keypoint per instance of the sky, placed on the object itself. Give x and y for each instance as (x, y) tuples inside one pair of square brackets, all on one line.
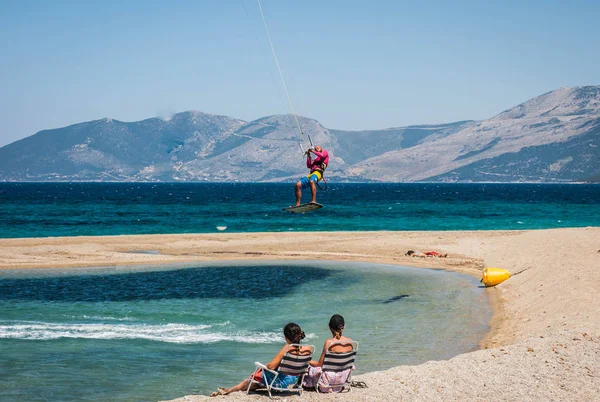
[(352, 65)]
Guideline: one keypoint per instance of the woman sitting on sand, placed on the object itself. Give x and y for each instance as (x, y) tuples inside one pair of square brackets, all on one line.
[(336, 326), (292, 334)]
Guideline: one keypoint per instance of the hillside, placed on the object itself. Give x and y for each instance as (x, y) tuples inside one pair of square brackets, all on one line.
[(552, 138)]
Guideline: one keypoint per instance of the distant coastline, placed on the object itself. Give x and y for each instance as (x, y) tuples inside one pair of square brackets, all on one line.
[(554, 137), (594, 181)]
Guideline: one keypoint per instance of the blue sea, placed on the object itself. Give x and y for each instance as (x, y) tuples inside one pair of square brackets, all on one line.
[(148, 333), (77, 209), (155, 333)]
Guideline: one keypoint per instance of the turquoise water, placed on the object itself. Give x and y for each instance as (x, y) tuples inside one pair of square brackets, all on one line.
[(160, 333), (142, 333), (77, 209)]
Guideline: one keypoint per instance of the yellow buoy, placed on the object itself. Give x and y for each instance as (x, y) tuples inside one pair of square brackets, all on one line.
[(494, 276)]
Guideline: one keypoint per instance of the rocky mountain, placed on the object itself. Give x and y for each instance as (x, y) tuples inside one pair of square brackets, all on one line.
[(111, 150), (552, 138)]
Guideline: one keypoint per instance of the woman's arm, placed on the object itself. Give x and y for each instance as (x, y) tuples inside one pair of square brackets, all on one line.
[(322, 358), (273, 364)]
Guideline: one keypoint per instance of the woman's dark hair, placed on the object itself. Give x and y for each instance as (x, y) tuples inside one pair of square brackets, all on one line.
[(409, 253), (337, 325), (293, 332)]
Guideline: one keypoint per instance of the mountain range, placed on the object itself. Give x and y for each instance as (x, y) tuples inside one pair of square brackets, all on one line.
[(554, 137)]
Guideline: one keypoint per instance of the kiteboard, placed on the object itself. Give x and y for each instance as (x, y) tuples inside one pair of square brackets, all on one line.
[(311, 206)]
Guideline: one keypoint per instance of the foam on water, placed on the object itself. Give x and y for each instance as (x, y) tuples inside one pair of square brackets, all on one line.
[(102, 318), (170, 333)]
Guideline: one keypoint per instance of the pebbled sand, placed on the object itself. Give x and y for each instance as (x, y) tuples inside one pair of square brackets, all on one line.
[(544, 342)]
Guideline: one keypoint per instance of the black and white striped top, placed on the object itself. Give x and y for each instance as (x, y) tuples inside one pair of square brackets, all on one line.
[(339, 361), (293, 364)]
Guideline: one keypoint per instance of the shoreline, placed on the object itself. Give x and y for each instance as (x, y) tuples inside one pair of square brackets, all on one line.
[(551, 304)]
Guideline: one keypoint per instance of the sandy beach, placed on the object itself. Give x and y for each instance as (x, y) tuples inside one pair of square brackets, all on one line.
[(544, 342)]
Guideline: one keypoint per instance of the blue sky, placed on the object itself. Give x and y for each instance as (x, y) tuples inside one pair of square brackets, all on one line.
[(349, 64)]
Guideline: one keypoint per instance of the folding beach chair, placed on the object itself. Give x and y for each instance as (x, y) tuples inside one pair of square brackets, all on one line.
[(292, 363), (336, 374)]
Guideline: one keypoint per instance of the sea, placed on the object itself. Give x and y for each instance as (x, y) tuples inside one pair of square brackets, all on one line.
[(84, 209), (147, 333)]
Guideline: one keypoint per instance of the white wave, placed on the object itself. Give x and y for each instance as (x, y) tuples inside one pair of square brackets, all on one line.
[(105, 318), (169, 333)]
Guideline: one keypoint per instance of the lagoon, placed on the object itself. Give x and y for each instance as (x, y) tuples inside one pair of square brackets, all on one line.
[(150, 333)]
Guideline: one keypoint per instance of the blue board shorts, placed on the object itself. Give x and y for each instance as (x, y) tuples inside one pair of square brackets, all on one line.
[(314, 177), (282, 380)]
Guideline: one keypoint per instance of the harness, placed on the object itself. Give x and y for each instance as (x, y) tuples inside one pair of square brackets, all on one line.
[(321, 168)]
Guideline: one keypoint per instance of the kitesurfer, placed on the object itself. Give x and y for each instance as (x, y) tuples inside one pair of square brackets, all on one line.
[(317, 168)]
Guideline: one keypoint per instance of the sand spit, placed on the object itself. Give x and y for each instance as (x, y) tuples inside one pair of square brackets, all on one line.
[(545, 337)]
